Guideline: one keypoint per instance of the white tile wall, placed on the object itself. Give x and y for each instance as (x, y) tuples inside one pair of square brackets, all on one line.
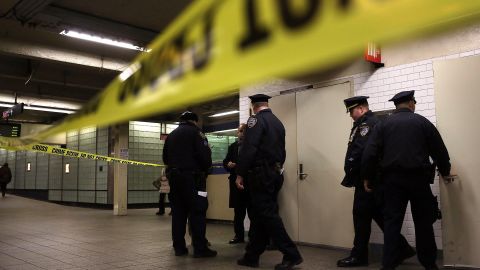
[(102, 176), (55, 167), (87, 143), (30, 176), (42, 171), (144, 145), (381, 85), (70, 180), (11, 159), (20, 170), (54, 195)]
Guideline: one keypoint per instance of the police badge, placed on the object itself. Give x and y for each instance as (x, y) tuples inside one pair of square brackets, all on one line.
[(252, 121), (364, 130)]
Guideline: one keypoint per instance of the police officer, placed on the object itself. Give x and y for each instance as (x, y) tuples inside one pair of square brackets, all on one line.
[(403, 144), (238, 199), (188, 158), (366, 205), (260, 162)]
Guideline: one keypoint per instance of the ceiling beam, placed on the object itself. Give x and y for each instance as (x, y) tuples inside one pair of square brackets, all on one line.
[(44, 91), (16, 47)]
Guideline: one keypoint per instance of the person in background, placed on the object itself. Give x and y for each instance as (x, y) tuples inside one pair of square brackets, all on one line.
[(164, 189), (5, 178), (238, 199)]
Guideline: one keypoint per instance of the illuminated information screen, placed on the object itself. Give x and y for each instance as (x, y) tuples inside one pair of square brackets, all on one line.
[(10, 130)]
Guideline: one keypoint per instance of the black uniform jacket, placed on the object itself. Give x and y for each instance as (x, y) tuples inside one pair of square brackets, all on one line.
[(237, 197), (264, 142), (359, 135), (403, 143), (186, 148)]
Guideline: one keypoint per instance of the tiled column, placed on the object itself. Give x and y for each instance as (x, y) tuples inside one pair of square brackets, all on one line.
[(120, 186)]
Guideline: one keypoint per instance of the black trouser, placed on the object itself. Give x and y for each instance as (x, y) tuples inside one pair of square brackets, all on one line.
[(368, 206), (400, 188), (3, 186), (161, 202), (263, 187), (240, 211), (186, 203)]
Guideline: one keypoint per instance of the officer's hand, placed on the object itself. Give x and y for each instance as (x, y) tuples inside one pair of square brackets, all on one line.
[(239, 182), (231, 164), (365, 185), (449, 178)]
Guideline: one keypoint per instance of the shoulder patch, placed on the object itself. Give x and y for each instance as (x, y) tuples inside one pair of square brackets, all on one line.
[(252, 121), (364, 130), (202, 135)]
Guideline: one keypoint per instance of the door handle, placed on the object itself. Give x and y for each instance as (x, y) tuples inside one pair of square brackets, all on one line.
[(301, 174)]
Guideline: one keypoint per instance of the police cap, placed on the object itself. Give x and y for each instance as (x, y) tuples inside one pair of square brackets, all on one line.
[(353, 102), (188, 115), (403, 97), (259, 98)]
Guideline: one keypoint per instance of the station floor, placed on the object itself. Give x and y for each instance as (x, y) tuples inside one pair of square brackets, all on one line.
[(42, 235)]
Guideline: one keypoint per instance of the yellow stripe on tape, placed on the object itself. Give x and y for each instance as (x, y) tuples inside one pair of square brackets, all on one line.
[(216, 46), (48, 149)]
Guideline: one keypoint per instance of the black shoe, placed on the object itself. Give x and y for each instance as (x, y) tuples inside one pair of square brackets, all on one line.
[(351, 262), (407, 253), (248, 263), (287, 264), (181, 252), (207, 253), (434, 267), (236, 240), (160, 213)]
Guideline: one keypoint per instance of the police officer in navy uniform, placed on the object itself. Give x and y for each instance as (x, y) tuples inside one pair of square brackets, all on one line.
[(260, 162), (366, 205), (238, 199), (188, 158), (403, 145)]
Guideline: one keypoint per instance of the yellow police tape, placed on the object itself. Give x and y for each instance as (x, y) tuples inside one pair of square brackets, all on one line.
[(217, 46), (48, 149)]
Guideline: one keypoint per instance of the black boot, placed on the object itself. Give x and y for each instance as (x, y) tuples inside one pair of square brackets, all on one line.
[(206, 253), (352, 262), (248, 263), (288, 264), (236, 240)]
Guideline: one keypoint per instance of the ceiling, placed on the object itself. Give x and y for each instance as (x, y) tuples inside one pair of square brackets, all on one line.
[(39, 65)]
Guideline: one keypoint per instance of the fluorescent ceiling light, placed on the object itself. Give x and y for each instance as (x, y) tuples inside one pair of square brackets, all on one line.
[(224, 131), (58, 110), (102, 40), (40, 108), (224, 113)]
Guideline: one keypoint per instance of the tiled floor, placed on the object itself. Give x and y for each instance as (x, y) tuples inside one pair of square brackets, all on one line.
[(41, 235)]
